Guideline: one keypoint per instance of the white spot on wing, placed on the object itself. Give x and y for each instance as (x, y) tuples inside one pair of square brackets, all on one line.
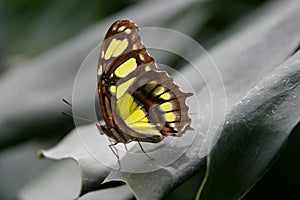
[(142, 57), (147, 68), (99, 70), (127, 31), (133, 37), (121, 28)]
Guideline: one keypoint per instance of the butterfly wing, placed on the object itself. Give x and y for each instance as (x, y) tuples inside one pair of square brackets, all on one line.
[(122, 37), (138, 101)]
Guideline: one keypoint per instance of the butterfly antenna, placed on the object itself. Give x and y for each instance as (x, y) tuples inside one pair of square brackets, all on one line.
[(77, 117), (125, 147), (85, 117)]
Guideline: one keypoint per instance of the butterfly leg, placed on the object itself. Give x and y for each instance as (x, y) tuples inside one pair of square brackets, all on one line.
[(144, 150), (125, 147), (115, 151)]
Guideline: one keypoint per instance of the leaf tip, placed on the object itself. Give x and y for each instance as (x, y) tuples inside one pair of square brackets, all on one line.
[(40, 154)]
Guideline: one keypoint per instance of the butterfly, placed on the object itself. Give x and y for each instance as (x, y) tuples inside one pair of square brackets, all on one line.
[(138, 101)]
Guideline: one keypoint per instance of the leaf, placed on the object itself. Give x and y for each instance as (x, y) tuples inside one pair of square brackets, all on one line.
[(61, 181), (120, 193), (20, 165), (92, 171), (254, 133)]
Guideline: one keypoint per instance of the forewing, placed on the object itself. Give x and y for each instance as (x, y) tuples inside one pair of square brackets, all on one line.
[(121, 38)]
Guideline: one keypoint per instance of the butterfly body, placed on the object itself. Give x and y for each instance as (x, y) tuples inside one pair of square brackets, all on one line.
[(138, 101)]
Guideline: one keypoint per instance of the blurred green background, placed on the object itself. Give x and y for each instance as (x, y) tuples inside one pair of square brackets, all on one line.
[(29, 28)]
